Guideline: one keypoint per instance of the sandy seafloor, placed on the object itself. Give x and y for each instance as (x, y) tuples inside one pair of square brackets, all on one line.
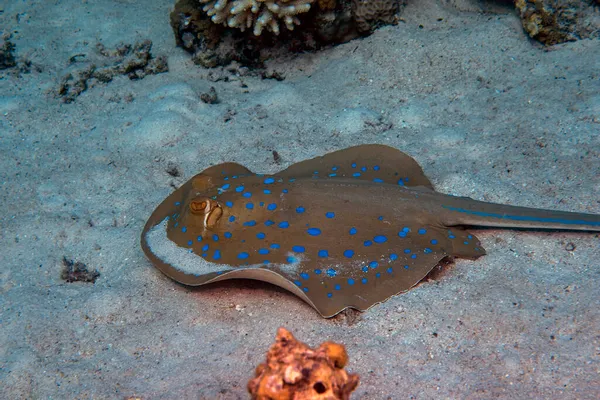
[(488, 114)]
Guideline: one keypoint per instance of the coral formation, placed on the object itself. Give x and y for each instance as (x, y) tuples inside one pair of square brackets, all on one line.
[(259, 14), (295, 371), (218, 32), (371, 14), (558, 21)]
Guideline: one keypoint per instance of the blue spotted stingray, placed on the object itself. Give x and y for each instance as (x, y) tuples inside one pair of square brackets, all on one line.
[(348, 229)]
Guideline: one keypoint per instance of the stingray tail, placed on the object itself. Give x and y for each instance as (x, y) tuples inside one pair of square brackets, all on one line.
[(466, 211)]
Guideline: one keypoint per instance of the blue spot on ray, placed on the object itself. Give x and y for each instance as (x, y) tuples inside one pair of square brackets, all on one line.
[(313, 231), (380, 239)]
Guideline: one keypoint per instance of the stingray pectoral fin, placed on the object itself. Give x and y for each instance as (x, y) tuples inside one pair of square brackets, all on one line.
[(370, 162), (227, 169), (464, 243), (264, 275), (331, 295)]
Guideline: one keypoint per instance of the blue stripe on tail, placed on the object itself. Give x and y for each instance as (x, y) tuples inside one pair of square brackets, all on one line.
[(524, 217)]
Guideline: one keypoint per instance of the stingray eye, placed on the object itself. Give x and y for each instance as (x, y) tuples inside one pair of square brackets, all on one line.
[(214, 216), (199, 207)]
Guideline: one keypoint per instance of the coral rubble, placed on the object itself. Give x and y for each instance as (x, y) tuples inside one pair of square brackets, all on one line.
[(558, 21), (77, 272), (135, 61), (295, 371), (7, 56)]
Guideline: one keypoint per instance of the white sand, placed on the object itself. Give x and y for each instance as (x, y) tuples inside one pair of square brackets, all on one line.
[(486, 112)]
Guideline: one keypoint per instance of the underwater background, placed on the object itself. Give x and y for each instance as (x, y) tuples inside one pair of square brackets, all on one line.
[(102, 116)]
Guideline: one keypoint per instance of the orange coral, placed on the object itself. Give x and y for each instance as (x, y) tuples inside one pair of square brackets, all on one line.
[(295, 371)]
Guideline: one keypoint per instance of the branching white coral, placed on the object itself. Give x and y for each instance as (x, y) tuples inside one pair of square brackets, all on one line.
[(259, 14)]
